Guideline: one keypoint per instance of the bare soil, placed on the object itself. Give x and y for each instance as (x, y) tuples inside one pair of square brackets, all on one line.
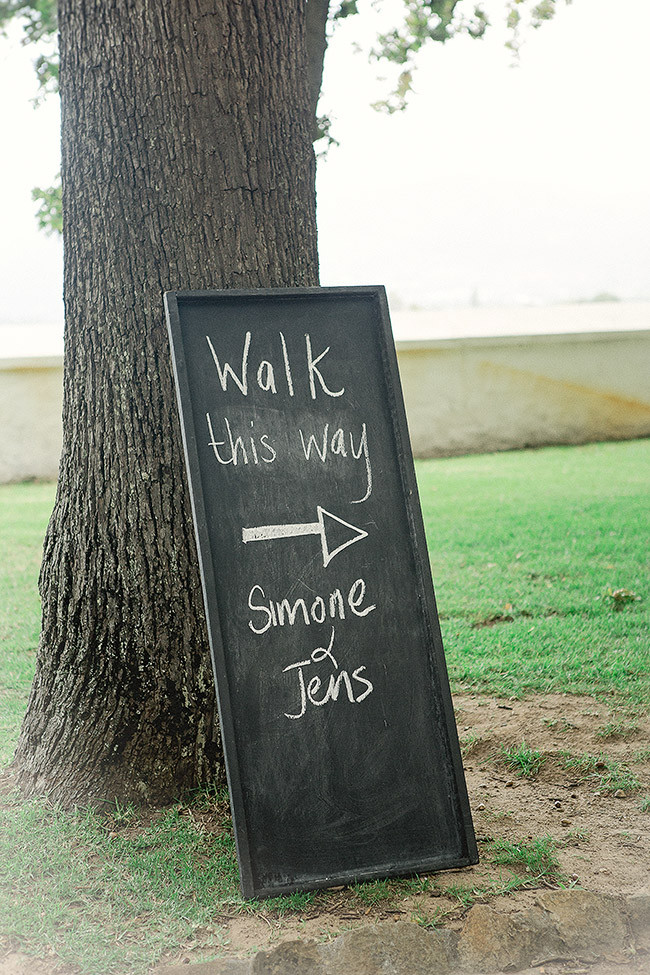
[(602, 834)]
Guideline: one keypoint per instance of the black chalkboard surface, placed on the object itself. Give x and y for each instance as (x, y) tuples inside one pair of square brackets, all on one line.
[(338, 730)]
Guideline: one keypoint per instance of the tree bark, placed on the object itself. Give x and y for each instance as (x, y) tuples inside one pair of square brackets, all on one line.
[(316, 14), (187, 164)]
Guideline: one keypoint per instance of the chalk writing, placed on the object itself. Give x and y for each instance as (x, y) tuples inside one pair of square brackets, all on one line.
[(316, 373), (240, 444), (337, 445), (237, 451), (265, 373), (322, 527), (308, 693), (273, 612)]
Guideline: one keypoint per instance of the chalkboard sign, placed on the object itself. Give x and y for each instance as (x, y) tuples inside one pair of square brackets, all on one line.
[(338, 730)]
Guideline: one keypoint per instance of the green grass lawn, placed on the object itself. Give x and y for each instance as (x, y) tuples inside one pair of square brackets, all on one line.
[(541, 566), (24, 513), (528, 551)]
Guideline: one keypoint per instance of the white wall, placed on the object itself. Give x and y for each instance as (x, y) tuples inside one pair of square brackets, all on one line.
[(463, 395), (485, 394), (30, 418)]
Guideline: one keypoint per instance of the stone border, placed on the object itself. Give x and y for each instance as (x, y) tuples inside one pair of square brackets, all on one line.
[(563, 925)]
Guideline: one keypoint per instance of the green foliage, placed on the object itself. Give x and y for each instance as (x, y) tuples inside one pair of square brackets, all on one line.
[(616, 729), (124, 815), (347, 8), (47, 73), (523, 760), (469, 743), (424, 21), (438, 21), (421, 918), (288, 903), (527, 14), (323, 131), (38, 19), (465, 894), (435, 20), (416, 884), (537, 857), (607, 775), (372, 892), (535, 861), (49, 215), (605, 296)]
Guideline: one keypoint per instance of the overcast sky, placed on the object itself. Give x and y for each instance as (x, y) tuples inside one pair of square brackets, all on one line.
[(498, 185)]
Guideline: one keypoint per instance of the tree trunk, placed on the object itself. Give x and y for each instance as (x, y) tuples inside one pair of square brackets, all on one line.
[(316, 15), (187, 164)]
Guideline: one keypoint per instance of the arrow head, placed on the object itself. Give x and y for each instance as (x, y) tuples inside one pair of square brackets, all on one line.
[(329, 524)]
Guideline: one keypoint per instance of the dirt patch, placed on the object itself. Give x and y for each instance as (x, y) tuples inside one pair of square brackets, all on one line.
[(591, 809), (585, 803)]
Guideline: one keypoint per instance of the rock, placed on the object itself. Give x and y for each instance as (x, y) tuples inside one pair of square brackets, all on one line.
[(492, 941), (221, 966), (638, 912), (570, 924), (289, 958), (390, 948), (587, 924)]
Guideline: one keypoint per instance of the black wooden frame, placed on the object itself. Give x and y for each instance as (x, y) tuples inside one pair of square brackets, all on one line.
[(172, 301)]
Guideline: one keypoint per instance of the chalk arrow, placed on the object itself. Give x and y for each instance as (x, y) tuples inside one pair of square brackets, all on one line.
[(326, 520)]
